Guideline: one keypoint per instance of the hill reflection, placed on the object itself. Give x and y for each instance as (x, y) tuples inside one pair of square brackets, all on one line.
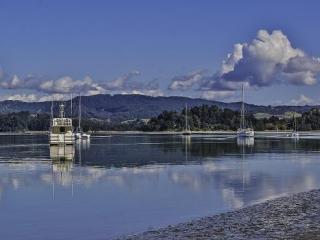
[(240, 172)]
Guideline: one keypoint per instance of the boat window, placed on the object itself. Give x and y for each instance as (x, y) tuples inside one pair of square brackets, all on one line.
[(62, 129)]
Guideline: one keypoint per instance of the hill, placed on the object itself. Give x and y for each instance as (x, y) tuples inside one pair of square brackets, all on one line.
[(123, 107)]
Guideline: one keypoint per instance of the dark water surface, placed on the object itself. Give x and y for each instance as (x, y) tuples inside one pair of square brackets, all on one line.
[(125, 184)]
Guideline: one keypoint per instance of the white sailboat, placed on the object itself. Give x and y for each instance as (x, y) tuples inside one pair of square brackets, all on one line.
[(61, 129), (294, 134), (79, 134), (244, 131), (187, 130)]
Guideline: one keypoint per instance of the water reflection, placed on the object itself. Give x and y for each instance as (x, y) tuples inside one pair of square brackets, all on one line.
[(62, 153), (125, 184), (245, 141)]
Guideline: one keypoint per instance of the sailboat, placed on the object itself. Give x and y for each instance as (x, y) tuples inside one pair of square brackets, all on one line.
[(61, 129), (244, 131), (187, 130), (79, 134), (294, 133)]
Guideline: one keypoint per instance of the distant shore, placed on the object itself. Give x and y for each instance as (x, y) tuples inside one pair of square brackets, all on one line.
[(217, 132), (295, 216)]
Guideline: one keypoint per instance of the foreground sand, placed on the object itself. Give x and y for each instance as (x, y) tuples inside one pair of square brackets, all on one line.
[(292, 217)]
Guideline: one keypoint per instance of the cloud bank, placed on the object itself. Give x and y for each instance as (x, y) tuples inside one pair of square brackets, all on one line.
[(269, 59), (62, 87), (185, 82)]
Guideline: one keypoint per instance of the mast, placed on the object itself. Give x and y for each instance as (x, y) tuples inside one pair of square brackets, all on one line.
[(51, 111), (62, 110), (242, 123), (79, 126), (71, 106), (186, 118)]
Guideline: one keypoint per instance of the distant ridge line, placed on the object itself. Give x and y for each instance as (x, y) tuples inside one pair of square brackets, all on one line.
[(120, 107)]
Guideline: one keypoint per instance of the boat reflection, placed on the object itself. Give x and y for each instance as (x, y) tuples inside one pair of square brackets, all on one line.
[(62, 153), (245, 141), (83, 144), (187, 142)]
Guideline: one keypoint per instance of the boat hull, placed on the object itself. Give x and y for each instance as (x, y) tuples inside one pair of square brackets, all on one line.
[(61, 139), (186, 133), (82, 136), (245, 133), (294, 135)]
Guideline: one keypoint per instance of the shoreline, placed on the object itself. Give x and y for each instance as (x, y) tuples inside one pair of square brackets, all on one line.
[(217, 132), (295, 216)]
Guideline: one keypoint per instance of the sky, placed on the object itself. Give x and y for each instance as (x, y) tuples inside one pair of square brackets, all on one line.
[(206, 49)]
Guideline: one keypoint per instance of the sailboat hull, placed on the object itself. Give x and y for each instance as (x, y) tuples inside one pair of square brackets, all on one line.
[(245, 132), (186, 133)]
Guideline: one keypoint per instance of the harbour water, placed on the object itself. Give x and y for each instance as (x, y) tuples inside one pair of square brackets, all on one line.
[(131, 183)]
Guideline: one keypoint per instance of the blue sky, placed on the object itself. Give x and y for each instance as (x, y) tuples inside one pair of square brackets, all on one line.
[(56, 47)]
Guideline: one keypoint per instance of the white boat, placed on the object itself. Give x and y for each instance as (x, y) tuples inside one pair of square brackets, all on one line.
[(247, 132), (79, 134), (61, 129), (294, 134), (244, 131), (187, 130)]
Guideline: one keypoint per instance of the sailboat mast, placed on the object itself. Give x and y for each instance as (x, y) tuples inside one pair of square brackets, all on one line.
[(62, 110), (186, 118), (51, 111), (79, 111), (242, 108), (71, 106)]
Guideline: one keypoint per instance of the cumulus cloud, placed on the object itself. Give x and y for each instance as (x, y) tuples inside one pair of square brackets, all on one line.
[(32, 97), (60, 88), (121, 83), (185, 82), (150, 88), (302, 100), (67, 84), (215, 95), (269, 59), (126, 85), (20, 97), (151, 92)]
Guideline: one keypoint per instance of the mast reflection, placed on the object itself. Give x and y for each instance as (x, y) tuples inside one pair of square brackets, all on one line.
[(248, 141)]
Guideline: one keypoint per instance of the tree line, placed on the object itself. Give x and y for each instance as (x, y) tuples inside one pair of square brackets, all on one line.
[(198, 118)]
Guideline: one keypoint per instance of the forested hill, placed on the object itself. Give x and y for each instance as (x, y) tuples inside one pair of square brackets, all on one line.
[(124, 107), (202, 117)]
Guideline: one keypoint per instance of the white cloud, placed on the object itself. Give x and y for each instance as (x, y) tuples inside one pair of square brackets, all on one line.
[(301, 101), (32, 97), (14, 82), (215, 95), (67, 84), (121, 83), (267, 60), (185, 82), (20, 97), (61, 88), (54, 96), (151, 92)]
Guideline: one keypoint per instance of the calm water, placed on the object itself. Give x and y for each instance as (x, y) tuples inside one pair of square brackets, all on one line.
[(125, 184)]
